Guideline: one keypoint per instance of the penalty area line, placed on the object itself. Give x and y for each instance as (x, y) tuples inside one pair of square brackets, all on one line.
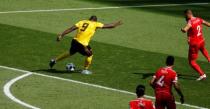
[(99, 8), (83, 83)]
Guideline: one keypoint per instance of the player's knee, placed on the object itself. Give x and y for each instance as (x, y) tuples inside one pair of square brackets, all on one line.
[(89, 53), (192, 62), (203, 50), (71, 52)]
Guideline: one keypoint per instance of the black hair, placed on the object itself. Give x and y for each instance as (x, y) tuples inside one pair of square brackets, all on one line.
[(187, 11), (140, 90), (93, 18), (170, 61)]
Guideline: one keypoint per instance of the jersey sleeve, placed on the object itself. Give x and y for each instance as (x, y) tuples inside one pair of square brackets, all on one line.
[(189, 22), (175, 78), (130, 105), (201, 20), (156, 73), (150, 105), (78, 24), (99, 25)]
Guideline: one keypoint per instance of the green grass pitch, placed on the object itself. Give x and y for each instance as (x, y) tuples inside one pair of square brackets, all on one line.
[(123, 57)]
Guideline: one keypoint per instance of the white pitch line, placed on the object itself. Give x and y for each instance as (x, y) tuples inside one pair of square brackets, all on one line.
[(8, 93), (93, 85), (99, 8)]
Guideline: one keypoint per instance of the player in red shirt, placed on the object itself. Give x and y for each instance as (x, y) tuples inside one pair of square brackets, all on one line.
[(196, 40), (141, 102), (162, 82)]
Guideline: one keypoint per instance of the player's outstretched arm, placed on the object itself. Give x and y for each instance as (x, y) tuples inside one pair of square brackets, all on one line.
[(186, 28), (112, 25), (206, 23), (69, 30), (178, 90)]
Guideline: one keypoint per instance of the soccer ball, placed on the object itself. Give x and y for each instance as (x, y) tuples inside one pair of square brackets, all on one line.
[(70, 67)]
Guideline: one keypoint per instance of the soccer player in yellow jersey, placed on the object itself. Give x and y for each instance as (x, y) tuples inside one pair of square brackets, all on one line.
[(80, 43)]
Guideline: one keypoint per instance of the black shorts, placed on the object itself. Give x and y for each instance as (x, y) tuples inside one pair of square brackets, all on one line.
[(78, 47)]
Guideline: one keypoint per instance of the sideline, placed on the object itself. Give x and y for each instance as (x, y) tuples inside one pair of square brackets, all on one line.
[(99, 8)]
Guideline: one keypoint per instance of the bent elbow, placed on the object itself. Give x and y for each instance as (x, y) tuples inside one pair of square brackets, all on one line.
[(151, 84)]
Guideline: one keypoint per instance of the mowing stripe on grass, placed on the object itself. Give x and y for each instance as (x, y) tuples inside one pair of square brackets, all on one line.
[(100, 8), (8, 93), (92, 85)]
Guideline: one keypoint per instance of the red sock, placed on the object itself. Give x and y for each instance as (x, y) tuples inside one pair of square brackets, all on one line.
[(196, 67)]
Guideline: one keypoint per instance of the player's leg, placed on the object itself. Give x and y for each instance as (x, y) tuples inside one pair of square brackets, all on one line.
[(204, 51), (159, 101), (88, 60), (87, 51), (159, 105), (193, 55), (62, 56), (196, 67), (72, 51), (171, 102)]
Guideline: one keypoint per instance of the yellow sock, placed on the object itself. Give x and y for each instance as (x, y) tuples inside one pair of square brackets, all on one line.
[(62, 56), (88, 62)]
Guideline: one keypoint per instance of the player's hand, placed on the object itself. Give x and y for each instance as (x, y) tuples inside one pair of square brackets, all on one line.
[(59, 38), (182, 29), (118, 23), (182, 100)]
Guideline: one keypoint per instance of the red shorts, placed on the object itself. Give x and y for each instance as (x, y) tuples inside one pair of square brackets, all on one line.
[(194, 48), (165, 100)]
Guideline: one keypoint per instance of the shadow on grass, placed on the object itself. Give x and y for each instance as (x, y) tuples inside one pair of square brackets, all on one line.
[(180, 76), (57, 71), (144, 75), (187, 77)]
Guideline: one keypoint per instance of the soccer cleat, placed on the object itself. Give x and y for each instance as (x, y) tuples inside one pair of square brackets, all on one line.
[(203, 77), (52, 63), (86, 72)]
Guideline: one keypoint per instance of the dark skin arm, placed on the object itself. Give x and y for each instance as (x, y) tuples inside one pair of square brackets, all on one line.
[(67, 31), (111, 25), (73, 28), (178, 90)]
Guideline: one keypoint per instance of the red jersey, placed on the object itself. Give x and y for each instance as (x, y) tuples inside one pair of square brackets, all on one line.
[(195, 33), (165, 77), (141, 103)]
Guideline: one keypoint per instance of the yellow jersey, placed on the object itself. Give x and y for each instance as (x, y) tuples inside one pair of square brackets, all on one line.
[(86, 30)]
